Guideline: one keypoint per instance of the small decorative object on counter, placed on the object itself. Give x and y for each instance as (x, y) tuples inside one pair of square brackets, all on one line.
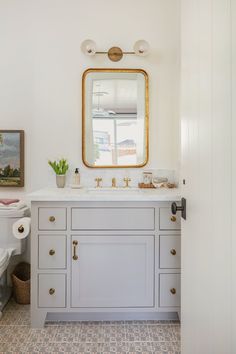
[(60, 168), (170, 185), (159, 181), (144, 185), (147, 177), (158, 185)]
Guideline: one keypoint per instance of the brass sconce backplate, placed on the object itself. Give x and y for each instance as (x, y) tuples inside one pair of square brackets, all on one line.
[(115, 54)]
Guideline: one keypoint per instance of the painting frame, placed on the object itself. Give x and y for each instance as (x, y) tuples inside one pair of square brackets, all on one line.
[(19, 180)]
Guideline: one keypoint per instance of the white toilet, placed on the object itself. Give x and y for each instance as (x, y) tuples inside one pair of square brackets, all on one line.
[(9, 246)]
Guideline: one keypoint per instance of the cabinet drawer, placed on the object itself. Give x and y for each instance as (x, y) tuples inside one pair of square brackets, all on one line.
[(113, 219), (52, 251), (169, 290), (170, 247), (52, 290), (52, 219), (169, 221)]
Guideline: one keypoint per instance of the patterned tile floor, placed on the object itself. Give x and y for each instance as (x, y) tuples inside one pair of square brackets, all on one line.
[(147, 337)]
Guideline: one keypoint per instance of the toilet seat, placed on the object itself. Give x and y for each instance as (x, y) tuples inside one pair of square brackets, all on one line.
[(4, 255)]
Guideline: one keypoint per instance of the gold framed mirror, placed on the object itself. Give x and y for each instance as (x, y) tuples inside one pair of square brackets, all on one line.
[(115, 118)]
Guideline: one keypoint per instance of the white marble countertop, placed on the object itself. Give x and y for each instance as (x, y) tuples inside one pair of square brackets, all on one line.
[(105, 195)]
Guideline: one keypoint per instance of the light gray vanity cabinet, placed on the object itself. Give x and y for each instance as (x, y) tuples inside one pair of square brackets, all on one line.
[(104, 260)]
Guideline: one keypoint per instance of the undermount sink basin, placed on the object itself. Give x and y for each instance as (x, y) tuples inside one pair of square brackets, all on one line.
[(113, 190)]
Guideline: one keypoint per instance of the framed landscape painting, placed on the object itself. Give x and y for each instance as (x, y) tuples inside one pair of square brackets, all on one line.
[(11, 158)]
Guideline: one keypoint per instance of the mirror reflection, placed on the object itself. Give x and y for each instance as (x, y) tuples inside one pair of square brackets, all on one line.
[(115, 118)]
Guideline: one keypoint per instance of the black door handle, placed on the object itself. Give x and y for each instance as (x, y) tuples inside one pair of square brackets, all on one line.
[(182, 208)]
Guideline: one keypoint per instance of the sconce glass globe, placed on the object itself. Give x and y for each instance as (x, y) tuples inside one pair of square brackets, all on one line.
[(89, 47), (141, 48)]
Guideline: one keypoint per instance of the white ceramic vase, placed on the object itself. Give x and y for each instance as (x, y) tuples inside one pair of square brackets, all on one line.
[(61, 181)]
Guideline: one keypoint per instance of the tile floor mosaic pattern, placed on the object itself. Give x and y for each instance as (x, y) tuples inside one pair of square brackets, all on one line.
[(147, 337)]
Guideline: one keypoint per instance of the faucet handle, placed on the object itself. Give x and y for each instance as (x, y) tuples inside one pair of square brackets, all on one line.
[(98, 180), (127, 180)]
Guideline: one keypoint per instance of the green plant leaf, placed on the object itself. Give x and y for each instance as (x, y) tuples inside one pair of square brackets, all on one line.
[(60, 167)]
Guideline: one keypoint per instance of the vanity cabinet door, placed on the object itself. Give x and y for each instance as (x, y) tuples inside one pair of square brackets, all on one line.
[(112, 271)]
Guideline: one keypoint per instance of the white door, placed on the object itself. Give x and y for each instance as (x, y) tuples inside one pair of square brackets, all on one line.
[(206, 167), (113, 271)]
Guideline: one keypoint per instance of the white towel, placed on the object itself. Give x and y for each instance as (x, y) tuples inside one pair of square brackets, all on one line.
[(13, 206), (13, 213)]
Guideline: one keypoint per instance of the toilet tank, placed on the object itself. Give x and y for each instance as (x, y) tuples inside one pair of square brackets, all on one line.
[(7, 239)]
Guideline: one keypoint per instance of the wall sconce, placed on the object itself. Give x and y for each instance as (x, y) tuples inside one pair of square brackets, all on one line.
[(89, 47)]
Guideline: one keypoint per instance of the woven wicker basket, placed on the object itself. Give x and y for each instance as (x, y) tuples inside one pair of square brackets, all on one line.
[(21, 283)]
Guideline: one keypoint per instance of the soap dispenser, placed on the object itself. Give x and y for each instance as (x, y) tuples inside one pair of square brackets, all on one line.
[(76, 178)]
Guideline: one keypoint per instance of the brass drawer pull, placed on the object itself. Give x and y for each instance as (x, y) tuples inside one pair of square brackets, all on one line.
[(51, 252), (173, 291), (173, 252), (173, 218), (51, 291), (52, 218), (75, 257)]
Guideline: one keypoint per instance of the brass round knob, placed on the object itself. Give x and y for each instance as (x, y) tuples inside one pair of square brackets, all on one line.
[(173, 218), (51, 291), (51, 252), (52, 218), (173, 252), (173, 291)]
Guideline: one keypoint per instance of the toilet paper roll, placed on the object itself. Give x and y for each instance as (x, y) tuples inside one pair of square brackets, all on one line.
[(21, 228)]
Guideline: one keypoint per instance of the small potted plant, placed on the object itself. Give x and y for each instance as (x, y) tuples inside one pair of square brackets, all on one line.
[(60, 168)]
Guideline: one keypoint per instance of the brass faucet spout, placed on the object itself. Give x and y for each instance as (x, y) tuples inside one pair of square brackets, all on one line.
[(113, 182)]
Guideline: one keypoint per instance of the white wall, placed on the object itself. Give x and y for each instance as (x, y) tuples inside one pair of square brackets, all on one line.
[(41, 65)]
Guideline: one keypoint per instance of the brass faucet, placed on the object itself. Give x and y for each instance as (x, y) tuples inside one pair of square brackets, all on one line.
[(113, 182), (127, 180), (98, 180)]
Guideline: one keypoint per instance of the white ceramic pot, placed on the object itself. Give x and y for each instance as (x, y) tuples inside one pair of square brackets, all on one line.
[(61, 181)]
